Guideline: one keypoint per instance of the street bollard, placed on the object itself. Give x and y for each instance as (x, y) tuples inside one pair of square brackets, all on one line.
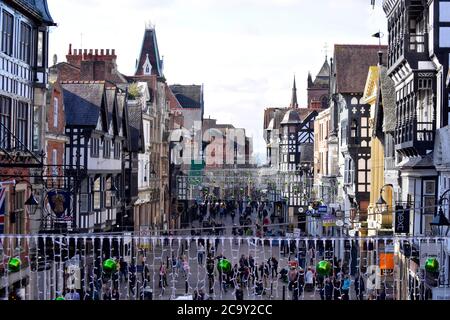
[(284, 292)]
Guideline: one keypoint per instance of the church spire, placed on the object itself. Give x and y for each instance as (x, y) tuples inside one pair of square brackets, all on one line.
[(294, 103)]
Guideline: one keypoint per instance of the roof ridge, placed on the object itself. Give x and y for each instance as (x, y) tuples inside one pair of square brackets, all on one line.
[(83, 82)]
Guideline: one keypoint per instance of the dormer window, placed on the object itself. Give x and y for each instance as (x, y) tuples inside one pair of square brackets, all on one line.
[(147, 67)]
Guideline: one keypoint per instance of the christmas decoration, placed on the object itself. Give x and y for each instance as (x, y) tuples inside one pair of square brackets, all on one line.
[(109, 265), (224, 266), (323, 268), (432, 265), (14, 264)]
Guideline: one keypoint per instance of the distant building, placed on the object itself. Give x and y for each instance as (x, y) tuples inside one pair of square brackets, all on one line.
[(318, 90)]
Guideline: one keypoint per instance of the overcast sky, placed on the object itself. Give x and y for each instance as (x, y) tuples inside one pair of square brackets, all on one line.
[(245, 52)]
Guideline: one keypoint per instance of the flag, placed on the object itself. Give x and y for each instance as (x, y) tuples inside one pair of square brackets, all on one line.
[(2, 208), (377, 35)]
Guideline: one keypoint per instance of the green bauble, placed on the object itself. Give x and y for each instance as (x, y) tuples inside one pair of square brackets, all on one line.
[(60, 298), (323, 268), (109, 265), (224, 266), (432, 265), (14, 264)]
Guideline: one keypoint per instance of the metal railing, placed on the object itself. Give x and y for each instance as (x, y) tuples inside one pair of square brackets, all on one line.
[(118, 267)]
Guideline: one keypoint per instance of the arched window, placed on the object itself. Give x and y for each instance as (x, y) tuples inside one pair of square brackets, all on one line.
[(147, 70), (354, 101), (354, 129)]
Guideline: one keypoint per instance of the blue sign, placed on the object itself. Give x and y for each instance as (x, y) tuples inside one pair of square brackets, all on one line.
[(323, 209)]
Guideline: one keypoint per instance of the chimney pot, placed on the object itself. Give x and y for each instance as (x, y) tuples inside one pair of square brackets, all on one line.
[(70, 49), (380, 58), (90, 51), (102, 52), (85, 51), (113, 52), (96, 52), (107, 52)]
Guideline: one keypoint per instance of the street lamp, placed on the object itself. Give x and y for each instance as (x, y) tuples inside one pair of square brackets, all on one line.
[(440, 222), (32, 204), (382, 207)]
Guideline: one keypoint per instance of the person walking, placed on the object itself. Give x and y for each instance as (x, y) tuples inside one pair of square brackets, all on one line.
[(309, 280), (346, 283), (200, 253), (107, 295), (359, 287), (328, 289), (72, 295), (239, 294), (115, 294)]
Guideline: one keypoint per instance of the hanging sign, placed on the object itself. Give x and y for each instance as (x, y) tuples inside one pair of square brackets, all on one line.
[(59, 202)]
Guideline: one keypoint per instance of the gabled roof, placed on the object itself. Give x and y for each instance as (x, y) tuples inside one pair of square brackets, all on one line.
[(84, 102), (111, 100), (189, 96), (149, 47), (136, 128), (323, 77), (351, 65)]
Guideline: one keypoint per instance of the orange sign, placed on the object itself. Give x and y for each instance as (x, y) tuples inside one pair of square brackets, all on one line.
[(386, 261)]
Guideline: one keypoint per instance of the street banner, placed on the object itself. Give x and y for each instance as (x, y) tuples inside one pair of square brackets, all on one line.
[(401, 220)]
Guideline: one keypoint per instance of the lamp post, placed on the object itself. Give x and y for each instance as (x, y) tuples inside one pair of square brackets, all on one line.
[(440, 225), (382, 207)]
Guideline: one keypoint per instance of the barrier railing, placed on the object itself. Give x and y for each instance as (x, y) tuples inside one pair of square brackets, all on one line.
[(104, 267)]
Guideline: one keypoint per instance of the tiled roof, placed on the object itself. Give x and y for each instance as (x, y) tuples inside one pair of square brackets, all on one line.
[(150, 48), (135, 124), (83, 102), (352, 63), (39, 6), (110, 97), (188, 96), (323, 77)]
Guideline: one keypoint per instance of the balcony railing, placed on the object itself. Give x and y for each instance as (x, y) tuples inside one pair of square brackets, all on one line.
[(131, 267)]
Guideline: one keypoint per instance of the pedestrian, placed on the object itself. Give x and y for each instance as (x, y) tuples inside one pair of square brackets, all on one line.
[(309, 280), (115, 294), (274, 267), (107, 295), (72, 295), (328, 289), (123, 270), (346, 283), (200, 253), (162, 276), (210, 271), (359, 287), (239, 294)]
